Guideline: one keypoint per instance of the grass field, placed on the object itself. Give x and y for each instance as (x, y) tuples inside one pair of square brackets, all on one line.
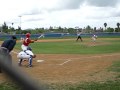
[(72, 47), (101, 46)]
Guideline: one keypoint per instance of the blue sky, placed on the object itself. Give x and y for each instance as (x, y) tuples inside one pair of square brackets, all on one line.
[(65, 13)]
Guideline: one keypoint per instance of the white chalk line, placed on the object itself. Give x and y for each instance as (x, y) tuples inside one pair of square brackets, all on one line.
[(71, 59), (65, 62)]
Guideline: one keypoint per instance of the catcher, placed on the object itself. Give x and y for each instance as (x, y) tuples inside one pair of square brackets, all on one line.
[(28, 54)]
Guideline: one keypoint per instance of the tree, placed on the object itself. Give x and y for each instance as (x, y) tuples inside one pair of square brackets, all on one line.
[(60, 29), (94, 30), (118, 26), (109, 29), (12, 24), (51, 29), (5, 27), (105, 25), (88, 29), (71, 30)]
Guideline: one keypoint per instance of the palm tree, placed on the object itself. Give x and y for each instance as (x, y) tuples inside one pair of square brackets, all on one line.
[(12, 25), (105, 25), (118, 25)]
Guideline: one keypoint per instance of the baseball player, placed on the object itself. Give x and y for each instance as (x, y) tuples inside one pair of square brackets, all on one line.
[(26, 42), (28, 54), (94, 37), (79, 36)]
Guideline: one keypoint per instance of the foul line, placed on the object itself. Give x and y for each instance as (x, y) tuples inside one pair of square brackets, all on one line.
[(65, 62), (70, 59)]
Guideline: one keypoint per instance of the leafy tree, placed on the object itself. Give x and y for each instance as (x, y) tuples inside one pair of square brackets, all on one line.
[(51, 28), (71, 30), (88, 29), (109, 29), (5, 27), (60, 29), (117, 30)]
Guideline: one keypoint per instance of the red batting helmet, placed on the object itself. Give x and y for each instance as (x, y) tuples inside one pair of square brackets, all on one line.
[(27, 34)]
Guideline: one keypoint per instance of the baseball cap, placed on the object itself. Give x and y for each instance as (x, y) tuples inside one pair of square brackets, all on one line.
[(14, 37)]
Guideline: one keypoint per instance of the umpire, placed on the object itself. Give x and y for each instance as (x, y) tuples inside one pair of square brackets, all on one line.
[(5, 49)]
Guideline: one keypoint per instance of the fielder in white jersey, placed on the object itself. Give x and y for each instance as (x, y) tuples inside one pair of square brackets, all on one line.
[(94, 37)]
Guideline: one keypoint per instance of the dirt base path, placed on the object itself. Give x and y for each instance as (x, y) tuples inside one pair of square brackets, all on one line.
[(71, 68)]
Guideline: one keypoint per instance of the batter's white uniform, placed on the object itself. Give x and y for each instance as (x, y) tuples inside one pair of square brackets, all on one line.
[(24, 47)]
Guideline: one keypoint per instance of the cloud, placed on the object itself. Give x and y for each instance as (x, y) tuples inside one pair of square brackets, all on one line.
[(59, 12), (103, 3), (59, 5), (69, 4), (34, 11), (115, 12), (34, 19)]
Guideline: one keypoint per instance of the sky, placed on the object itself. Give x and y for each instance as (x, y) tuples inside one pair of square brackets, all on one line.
[(65, 13)]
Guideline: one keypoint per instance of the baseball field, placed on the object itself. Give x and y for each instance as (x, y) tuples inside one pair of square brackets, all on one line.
[(64, 64)]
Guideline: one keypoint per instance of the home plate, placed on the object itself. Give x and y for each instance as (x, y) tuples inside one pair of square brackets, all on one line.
[(40, 60)]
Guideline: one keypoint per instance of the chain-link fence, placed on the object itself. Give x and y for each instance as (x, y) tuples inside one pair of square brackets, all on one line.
[(23, 80)]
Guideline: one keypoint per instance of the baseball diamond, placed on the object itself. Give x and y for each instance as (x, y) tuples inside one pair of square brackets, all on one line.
[(71, 68)]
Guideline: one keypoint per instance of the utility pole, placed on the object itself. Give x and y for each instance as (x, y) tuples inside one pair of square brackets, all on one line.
[(20, 20)]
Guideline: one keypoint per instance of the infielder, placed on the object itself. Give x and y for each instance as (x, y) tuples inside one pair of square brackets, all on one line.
[(28, 54)]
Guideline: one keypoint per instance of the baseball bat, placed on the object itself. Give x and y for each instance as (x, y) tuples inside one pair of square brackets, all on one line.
[(42, 35)]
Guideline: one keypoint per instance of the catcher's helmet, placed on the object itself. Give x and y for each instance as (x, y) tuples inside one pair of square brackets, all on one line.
[(27, 34)]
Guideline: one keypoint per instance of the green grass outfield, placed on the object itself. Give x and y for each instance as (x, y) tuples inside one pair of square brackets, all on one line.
[(72, 47)]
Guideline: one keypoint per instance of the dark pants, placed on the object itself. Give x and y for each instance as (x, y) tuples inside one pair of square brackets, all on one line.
[(5, 56), (79, 37)]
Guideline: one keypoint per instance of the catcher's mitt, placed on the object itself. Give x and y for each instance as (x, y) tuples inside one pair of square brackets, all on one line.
[(34, 56)]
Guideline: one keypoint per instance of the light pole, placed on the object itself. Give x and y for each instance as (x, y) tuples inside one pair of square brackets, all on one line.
[(1, 28), (20, 20)]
